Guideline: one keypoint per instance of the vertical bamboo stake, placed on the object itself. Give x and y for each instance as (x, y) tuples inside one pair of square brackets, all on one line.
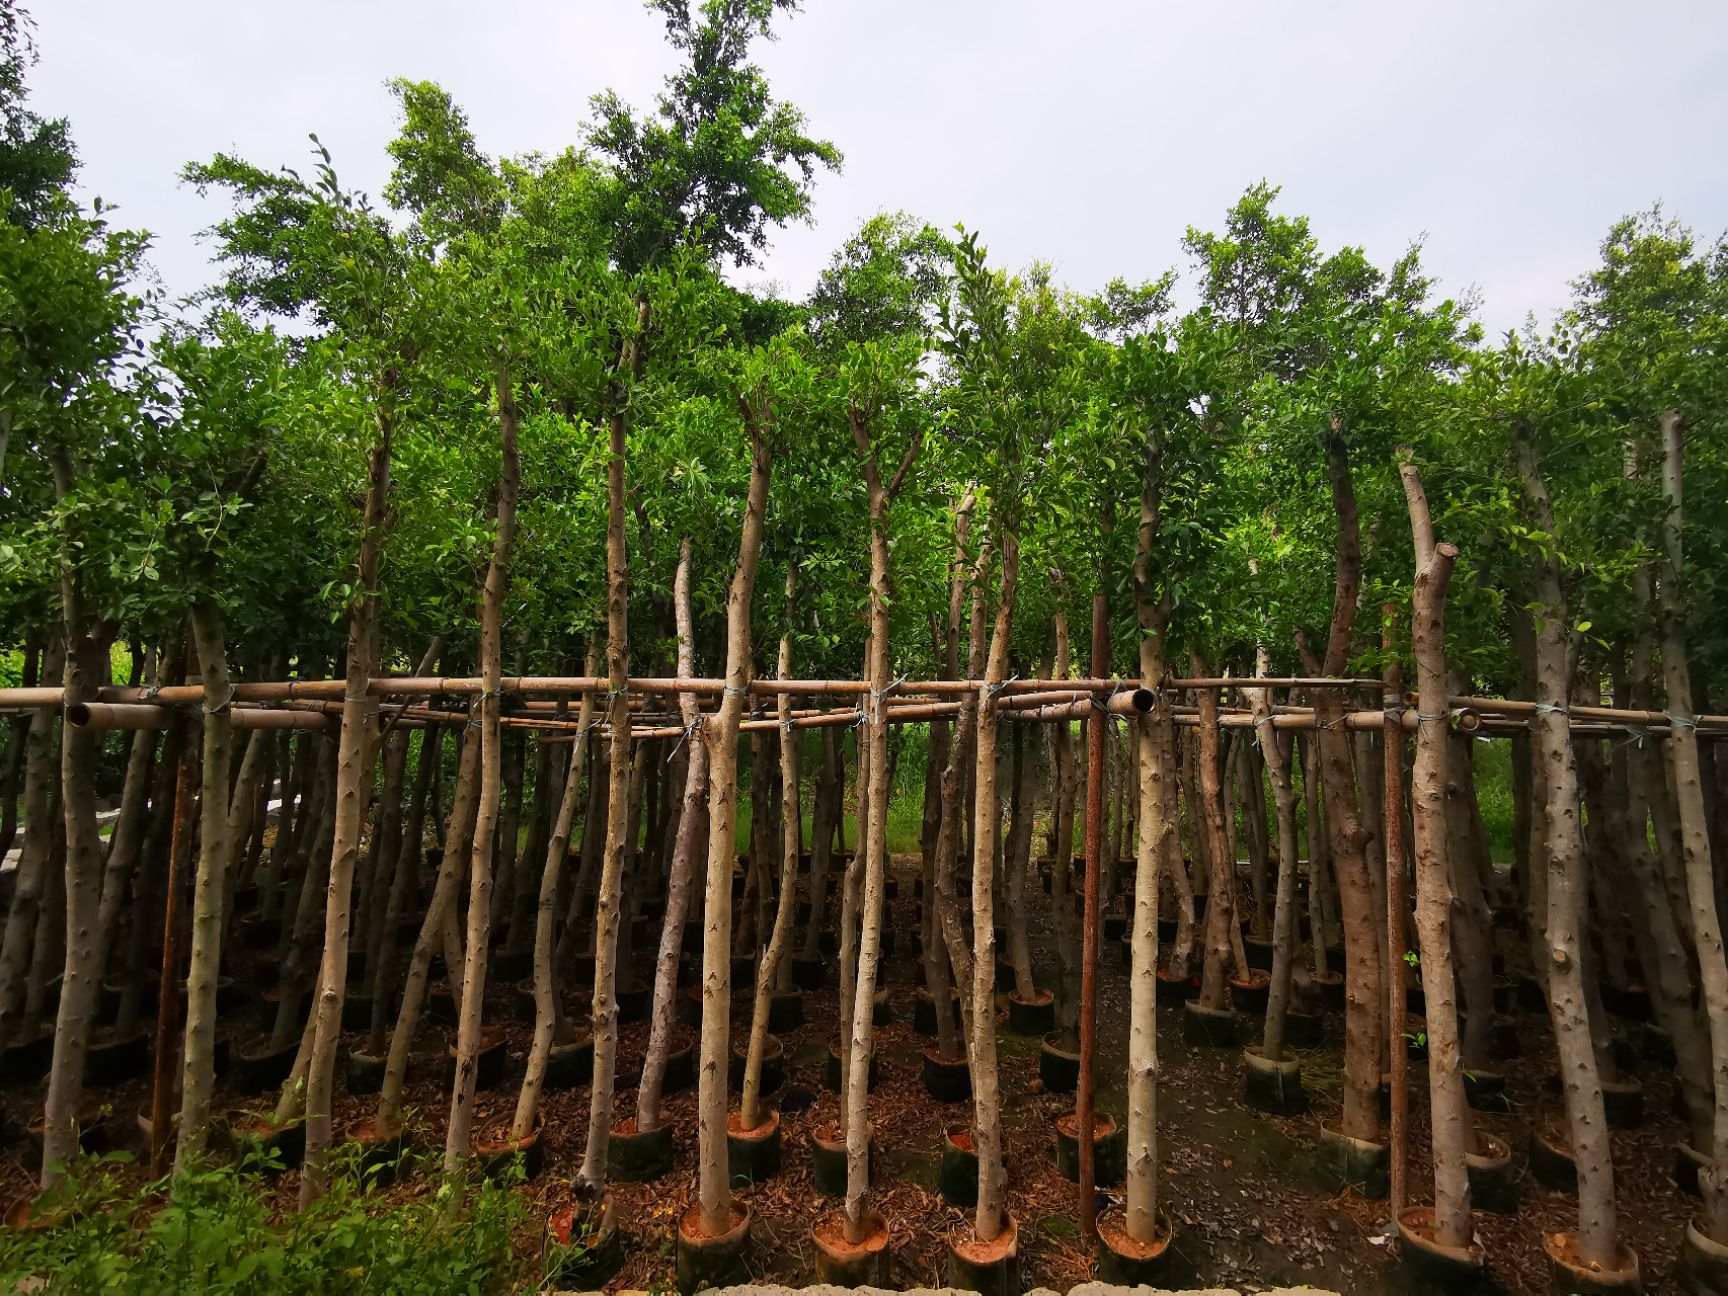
[(1392, 803)]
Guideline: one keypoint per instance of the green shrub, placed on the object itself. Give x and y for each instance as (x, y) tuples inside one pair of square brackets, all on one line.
[(221, 1232)]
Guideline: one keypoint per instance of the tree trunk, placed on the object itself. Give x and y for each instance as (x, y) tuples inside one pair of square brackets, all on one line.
[(714, 1196), (1551, 743), (1220, 909), (1449, 1113), (479, 939)]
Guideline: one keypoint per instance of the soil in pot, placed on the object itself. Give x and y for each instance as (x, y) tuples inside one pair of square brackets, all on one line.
[(1127, 1263), (1568, 1273), (1109, 1149), (752, 1155), (946, 1079), (705, 1260), (831, 1076), (1059, 1063), (1440, 1268), (828, 1159), (1551, 1161), (1248, 994), (989, 1268), (495, 1151), (840, 1263), (773, 1064), (1493, 1183), (633, 1157), (1208, 1027), (570, 1066)]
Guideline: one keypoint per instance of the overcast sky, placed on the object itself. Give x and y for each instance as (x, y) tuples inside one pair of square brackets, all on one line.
[(1091, 133)]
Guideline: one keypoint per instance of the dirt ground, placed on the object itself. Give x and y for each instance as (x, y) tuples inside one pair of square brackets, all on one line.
[(1251, 1207)]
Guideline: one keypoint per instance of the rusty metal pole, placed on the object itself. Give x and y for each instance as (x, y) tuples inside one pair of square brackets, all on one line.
[(1083, 1099), (1392, 797), (168, 987)]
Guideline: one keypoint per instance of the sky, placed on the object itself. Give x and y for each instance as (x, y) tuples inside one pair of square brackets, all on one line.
[(1507, 135)]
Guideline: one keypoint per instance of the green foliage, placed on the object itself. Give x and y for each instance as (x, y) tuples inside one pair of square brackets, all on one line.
[(221, 1232)]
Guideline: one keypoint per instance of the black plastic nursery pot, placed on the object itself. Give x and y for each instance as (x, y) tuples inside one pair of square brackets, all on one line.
[(1505, 1038), (633, 996), (958, 1175), (1630, 1002), (258, 1072), (1127, 1263), (989, 1268), (284, 1146), (29, 1059), (752, 1155), (1486, 1091), (489, 1062), (680, 1074), (1004, 975), (831, 1073), (116, 1057), (570, 1066), (1355, 1163), (1703, 1266), (1034, 1016), (1248, 994), (1623, 1103), (1059, 1064), (639, 1157), (828, 1159), (1270, 1086), (1109, 1149), (1569, 1275), (881, 1010), (1258, 953), (743, 971), (809, 973), (786, 1010), (585, 1248), (95, 1133), (1116, 927), (363, 1072), (495, 1151), (1493, 1180), (690, 1006), (1166, 932), (946, 1079), (1434, 1265), (1329, 985), (713, 1260), (1551, 1161), (773, 1064), (1304, 1030), (1688, 1161), (842, 1263), (381, 1150), (924, 1011), (1210, 1027)]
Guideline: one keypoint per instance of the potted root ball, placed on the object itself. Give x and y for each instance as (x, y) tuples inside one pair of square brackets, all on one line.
[(786, 1010), (1354, 1162), (946, 1079), (639, 1156), (491, 1060), (958, 1176), (1273, 1086), (828, 1158), (1126, 1262), (924, 1011), (773, 1064), (274, 1146), (1109, 1149), (381, 1149), (632, 999), (1493, 1185), (264, 1067), (1551, 1160), (117, 1055), (859, 1261), (1033, 1015), (363, 1072), (584, 1249), (752, 1155), (1248, 994), (1569, 1272), (1059, 1063), (1703, 1265), (95, 1127), (1433, 1263), (1208, 1027), (570, 1066), (1329, 986), (1174, 988), (831, 1074), (713, 1258), (497, 1147), (989, 1267)]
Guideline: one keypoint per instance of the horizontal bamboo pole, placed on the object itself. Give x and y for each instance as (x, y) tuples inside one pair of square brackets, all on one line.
[(132, 716)]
